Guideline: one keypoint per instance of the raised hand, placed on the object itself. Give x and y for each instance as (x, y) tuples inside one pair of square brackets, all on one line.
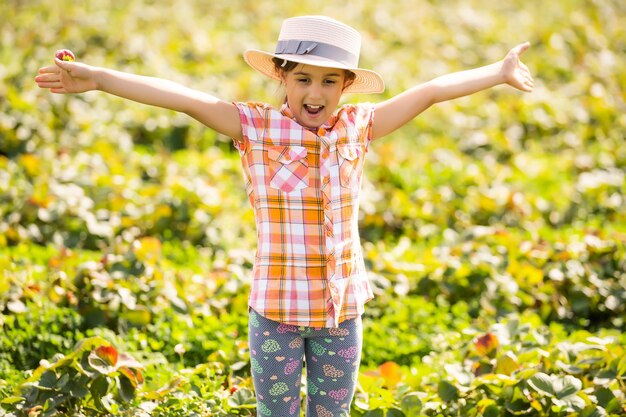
[(515, 73), (67, 77)]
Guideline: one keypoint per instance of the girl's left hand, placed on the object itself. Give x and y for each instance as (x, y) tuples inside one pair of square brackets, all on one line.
[(515, 73)]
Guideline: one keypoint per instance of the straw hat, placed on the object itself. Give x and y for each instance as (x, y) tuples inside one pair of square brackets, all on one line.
[(320, 41)]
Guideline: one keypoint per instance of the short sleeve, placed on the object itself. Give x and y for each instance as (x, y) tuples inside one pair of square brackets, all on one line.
[(252, 118), (361, 116)]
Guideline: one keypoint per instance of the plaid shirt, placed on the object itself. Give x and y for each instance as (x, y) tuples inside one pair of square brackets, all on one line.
[(304, 188)]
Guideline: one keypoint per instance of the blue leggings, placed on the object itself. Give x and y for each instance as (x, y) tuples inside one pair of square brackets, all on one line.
[(332, 362)]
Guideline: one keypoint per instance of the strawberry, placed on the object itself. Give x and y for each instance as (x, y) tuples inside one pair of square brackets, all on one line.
[(65, 55)]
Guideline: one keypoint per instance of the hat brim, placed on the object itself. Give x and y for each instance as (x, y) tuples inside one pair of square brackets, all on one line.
[(366, 81)]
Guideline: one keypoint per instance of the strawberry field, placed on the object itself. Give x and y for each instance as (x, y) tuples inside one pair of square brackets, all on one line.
[(493, 226)]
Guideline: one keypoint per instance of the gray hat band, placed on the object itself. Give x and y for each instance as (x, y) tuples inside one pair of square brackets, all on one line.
[(323, 50)]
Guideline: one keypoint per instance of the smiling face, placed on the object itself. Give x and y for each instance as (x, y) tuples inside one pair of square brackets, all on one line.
[(313, 93)]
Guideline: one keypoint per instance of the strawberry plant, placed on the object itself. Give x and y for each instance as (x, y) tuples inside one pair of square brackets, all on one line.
[(94, 376)]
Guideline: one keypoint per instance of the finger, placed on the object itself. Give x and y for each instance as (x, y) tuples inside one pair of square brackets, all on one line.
[(528, 80), (529, 84), (47, 77), (64, 65), (48, 70), (521, 48), (50, 84)]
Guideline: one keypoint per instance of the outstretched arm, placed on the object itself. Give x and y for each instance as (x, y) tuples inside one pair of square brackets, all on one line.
[(75, 77), (395, 112)]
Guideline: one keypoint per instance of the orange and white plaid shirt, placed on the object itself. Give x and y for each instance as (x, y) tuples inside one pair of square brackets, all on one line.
[(304, 188)]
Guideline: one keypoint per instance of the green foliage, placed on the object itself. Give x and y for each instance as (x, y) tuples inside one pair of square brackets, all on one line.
[(571, 276), (93, 377), (494, 226), (516, 368)]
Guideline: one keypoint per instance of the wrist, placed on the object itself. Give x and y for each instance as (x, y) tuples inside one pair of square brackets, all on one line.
[(500, 73), (98, 78)]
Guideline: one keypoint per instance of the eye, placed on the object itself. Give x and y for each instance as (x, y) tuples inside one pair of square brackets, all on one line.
[(303, 80), (330, 82)]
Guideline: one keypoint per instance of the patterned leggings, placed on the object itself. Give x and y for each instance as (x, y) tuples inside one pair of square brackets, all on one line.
[(332, 362)]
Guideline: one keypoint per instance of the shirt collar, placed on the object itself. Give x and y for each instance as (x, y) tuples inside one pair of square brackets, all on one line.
[(328, 125)]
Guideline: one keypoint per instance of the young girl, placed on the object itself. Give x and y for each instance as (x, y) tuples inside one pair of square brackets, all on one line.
[(302, 165)]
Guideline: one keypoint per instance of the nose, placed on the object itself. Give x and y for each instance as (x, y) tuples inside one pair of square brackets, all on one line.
[(315, 91)]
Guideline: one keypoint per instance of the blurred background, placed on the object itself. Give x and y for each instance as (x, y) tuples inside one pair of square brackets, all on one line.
[(131, 223)]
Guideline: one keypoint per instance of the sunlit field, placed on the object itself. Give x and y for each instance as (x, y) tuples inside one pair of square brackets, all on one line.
[(493, 226)]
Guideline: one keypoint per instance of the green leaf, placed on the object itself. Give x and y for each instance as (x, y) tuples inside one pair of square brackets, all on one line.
[(447, 391), (516, 402), (566, 386), (63, 381), (99, 387), (411, 405), (99, 364), (11, 400), (89, 344), (237, 366), (47, 380), (140, 316), (569, 403), (108, 404), (518, 407), (542, 383), (126, 388), (621, 366), (507, 363), (613, 406), (363, 405), (77, 387), (492, 411), (242, 397), (133, 376), (592, 411), (570, 369), (375, 413), (604, 396), (162, 392)]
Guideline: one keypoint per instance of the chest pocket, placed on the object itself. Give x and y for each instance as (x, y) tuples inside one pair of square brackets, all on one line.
[(350, 162), (289, 169)]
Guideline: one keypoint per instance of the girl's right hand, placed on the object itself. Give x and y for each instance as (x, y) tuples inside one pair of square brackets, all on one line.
[(67, 77)]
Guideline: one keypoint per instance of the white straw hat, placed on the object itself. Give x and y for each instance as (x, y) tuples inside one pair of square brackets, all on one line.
[(320, 41)]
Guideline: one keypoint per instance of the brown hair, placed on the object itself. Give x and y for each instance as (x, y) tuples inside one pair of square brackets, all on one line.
[(282, 65)]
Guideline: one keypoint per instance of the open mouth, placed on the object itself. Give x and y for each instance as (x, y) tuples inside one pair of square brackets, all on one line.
[(313, 110)]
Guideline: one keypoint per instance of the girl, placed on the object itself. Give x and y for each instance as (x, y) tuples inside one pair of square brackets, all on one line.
[(302, 165)]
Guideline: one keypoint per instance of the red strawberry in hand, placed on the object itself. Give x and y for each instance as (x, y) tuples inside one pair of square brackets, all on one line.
[(65, 55)]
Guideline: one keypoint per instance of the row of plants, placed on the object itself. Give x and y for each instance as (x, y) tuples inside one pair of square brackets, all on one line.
[(493, 227), (180, 330)]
